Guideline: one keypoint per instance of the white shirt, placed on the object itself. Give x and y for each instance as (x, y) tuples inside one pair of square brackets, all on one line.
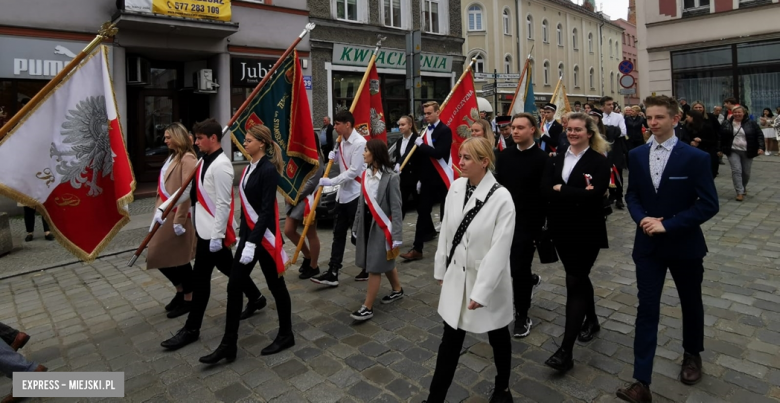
[(569, 162), (351, 150), (529, 147), (252, 166), (547, 126), (404, 143), (659, 156), (372, 183), (615, 119)]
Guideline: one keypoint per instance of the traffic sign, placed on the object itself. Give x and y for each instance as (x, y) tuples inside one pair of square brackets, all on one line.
[(510, 76), (487, 87), (487, 93), (626, 67), (483, 76), (506, 85), (627, 81), (627, 91)]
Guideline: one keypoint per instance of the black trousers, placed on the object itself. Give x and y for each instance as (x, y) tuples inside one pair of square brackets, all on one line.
[(29, 220), (449, 353), (577, 261), (714, 162), (345, 216), (7, 333), (240, 275), (205, 261), (520, 261), (430, 194), (409, 197), (179, 275), (650, 277), (616, 193)]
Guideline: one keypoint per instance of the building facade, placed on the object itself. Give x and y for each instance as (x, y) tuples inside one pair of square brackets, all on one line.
[(629, 53), (708, 50), (346, 35), (564, 40), (154, 58)]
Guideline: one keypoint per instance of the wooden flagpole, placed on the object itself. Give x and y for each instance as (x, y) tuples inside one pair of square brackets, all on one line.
[(522, 76), (238, 113), (108, 30), (462, 76), (313, 209)]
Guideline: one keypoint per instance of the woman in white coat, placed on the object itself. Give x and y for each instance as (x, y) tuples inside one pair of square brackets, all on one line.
[(476, 293)]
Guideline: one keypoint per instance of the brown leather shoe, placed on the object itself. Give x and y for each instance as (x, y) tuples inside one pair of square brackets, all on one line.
[(740, 197), (20, 340), (690, 374), (635, 393), (412, 255)]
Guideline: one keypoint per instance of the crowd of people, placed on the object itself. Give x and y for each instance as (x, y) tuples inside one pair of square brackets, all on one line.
[(525, 185)]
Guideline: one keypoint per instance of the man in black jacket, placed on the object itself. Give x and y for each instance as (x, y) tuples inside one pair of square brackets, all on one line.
[(551, 129), (326, 136), (520, 169), (435, 173), (409, 176)]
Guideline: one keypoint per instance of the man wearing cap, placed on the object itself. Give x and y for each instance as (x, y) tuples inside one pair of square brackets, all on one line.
[(551, 130), (504, 137)]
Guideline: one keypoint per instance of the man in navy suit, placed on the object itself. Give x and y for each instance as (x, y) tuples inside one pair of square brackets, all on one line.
[(670, 194)]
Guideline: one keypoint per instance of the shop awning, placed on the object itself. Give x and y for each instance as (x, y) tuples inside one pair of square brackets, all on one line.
[(155, 23)]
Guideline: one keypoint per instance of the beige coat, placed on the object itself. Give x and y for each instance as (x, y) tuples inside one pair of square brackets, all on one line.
[(166, 249)]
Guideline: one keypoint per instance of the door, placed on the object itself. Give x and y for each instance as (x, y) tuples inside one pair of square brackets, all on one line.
[(156, 109)]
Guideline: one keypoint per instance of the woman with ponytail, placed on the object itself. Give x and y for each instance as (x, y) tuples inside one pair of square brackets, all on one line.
[(260, 240)]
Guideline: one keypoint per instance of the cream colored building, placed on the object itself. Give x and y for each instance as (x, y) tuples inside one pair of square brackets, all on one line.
[(562, 38)]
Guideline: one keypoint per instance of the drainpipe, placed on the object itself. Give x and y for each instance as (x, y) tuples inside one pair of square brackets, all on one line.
[(601, 53), (519, 57)]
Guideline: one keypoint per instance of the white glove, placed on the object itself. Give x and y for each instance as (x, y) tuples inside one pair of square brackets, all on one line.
[(326, 182), (248, 253), (157, 219), (215, 245), (418, 141), (397, 244), (397, 168), (179, 229), (332, 155), (419, 185)]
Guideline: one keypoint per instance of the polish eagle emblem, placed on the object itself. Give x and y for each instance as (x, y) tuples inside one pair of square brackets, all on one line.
[(85, 133), (464, 130), (377, 123)]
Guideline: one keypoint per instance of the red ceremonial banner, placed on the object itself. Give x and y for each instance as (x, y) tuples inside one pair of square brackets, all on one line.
[(459, 114), (369, 114)]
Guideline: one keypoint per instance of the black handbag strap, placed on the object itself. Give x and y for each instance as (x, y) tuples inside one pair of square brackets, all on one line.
[(464, 224)]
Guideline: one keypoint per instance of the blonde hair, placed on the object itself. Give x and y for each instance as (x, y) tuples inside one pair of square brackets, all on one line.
[(597, 141), (262, 134), (480, 149), (409, 119), (532, 119), (434, 104), (180, 140), (637, 109), (486, 129)]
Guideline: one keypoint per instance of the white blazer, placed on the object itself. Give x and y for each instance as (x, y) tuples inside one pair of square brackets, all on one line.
[(218, 184), (479, 269)]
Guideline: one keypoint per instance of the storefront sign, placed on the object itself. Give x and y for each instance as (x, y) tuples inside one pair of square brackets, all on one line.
[(31, 58), (247, 72), (198, 9), (352, 55)]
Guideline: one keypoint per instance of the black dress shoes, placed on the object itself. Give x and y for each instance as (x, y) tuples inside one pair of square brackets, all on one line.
[(183, 308), (561, 361), (253, 306), (177, 299), (181, 339), (226, 351), (280, 343), (589, 330)]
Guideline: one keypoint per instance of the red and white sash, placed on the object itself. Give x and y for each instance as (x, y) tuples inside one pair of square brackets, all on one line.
[(164, 195), (208, 205), (272, 241), (308, 202), (344, 165), (444, 168), (379, 216), (501, 143)]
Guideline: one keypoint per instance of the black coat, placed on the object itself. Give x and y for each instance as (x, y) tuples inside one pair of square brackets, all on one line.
[(521, 173), (442, 143), (682, 134), (616, 154), (328, 146), (260, 191), (409, 173), (709, 134), (553, 136), (575, 216), (753, 134), (634, 126)]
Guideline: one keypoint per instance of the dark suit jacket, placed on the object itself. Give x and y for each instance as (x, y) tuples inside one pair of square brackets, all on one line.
[(442, 143), (521, 173), (409, 174), (328, 146), (575, 216), (260, 191), (556, 129), (682, 134), (686, 198)]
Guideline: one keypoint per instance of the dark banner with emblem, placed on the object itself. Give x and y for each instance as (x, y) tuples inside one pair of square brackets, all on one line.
[(283, 106)]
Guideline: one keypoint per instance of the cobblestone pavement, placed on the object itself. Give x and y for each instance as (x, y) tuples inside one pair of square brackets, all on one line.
[(107, 317)]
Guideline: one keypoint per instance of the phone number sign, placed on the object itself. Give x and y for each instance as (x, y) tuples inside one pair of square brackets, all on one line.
[(199, 9)]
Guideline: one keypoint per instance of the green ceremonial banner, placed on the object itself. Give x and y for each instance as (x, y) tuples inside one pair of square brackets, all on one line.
[(283, 106)]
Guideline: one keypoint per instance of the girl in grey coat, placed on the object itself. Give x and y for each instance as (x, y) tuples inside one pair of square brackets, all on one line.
[(378, 226)]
